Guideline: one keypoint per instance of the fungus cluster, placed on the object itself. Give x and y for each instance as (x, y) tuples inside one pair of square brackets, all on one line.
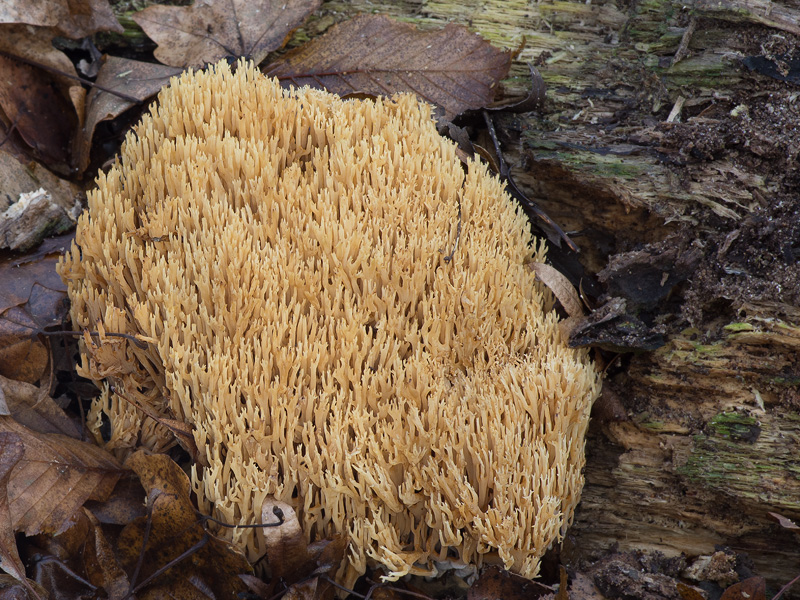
[(344, 315)]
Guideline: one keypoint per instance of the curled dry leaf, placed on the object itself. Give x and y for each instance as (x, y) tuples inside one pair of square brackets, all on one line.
[(753, 588), (79, 562), (533, 101), (564, 292), (784, 522), (33, 407), (43, 109), (497, 583), (122, 84), (453, 68), (207, 566), (287, 547), (211, 30), (292, 559), (561, 288)]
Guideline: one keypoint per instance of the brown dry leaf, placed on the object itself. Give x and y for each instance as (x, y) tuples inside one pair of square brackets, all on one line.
[(102, 568), (295, 562), (534, 100), (123, 506), (42, 108), (11, 452), (211, 30), (784, 522), (33, 407), (72, 18), (132, 81), (54, 478), (12, 589), (688, 592), (564, 292), (183, 432), (582, 588), (563, 593), (78, 562), (754, 588), (451, 67), (287, 548), (210, 567), (32, 297)]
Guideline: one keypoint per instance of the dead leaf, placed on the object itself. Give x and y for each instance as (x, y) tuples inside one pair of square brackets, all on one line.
[(123, 505), (121, 84), (34, 104), (211, 30), (561, 288), (206, 566), (90, 558), (72, 18), (563, 584), (452, 67), (688, 592), (784, 522), (582, 588), (33, 407), (56, 475), (183, 432), (287, 547), (11, 589), (32, 297), (754, 588), (295, 562), (11, 452)]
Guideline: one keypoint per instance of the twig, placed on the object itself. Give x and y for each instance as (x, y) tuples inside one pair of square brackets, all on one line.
[(141, 343), (505, 173), (203, 541)]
